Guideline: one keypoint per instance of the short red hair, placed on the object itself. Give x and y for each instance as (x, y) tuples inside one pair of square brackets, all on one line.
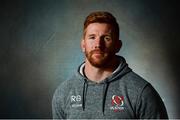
[(102, 17)]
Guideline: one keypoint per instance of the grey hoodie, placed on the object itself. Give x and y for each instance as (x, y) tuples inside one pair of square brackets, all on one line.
[(124, 94)]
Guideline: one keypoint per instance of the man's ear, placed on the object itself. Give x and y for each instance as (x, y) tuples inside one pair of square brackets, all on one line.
[(82, 45), (118, 45)]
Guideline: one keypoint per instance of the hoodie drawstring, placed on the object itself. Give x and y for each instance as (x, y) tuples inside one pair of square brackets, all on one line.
[(105, 88), (84, 94)]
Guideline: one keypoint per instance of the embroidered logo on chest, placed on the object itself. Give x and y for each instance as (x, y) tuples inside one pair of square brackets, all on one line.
[(117, 103), (76, 101)]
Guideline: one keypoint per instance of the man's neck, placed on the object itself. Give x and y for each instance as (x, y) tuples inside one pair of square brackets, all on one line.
[(98, 74)]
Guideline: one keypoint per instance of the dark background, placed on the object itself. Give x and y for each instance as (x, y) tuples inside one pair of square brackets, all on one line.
[(39, 48)]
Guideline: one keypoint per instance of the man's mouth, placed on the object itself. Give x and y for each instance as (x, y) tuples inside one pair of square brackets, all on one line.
[(98, 52)]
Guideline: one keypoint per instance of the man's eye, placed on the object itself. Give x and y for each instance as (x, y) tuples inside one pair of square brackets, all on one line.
[(107, 38), (92, 37)]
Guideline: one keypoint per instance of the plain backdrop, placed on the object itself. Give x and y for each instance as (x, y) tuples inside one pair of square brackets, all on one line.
[(40, 48)]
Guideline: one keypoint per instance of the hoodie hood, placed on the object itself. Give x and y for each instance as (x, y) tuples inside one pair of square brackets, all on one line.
[(121, 70)]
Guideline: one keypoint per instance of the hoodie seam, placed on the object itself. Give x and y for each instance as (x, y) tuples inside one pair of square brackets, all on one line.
[(139, 97)]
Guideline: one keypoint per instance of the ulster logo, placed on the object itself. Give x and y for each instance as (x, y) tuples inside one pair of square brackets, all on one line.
[(117, 103)]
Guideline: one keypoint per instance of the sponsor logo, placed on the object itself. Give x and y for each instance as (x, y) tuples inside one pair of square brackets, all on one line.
[(117, 103), (76, 101)]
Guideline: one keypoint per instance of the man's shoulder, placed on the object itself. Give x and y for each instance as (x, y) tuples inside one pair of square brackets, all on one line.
[(68, 83), (135, 78), (134, 81), (72, 82)]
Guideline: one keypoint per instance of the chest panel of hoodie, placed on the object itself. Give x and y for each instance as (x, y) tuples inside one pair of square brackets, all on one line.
[(94, 103), (94, 99)]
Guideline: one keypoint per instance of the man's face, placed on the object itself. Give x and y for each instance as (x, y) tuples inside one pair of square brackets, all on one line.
[(99, 44)]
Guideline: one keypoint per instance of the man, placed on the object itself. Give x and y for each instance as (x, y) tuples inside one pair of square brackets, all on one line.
[(104, 87)]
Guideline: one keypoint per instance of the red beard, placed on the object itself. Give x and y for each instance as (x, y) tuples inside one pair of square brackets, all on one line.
[(99, 58)]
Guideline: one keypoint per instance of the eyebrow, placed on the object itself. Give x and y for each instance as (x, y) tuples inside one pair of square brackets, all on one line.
[(90, 35), (108, 34)]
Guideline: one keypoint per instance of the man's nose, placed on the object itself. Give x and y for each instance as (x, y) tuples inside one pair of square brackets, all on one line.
[(99, 43)]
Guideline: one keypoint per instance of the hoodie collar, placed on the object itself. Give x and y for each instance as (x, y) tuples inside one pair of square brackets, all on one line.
[(119, 71)]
